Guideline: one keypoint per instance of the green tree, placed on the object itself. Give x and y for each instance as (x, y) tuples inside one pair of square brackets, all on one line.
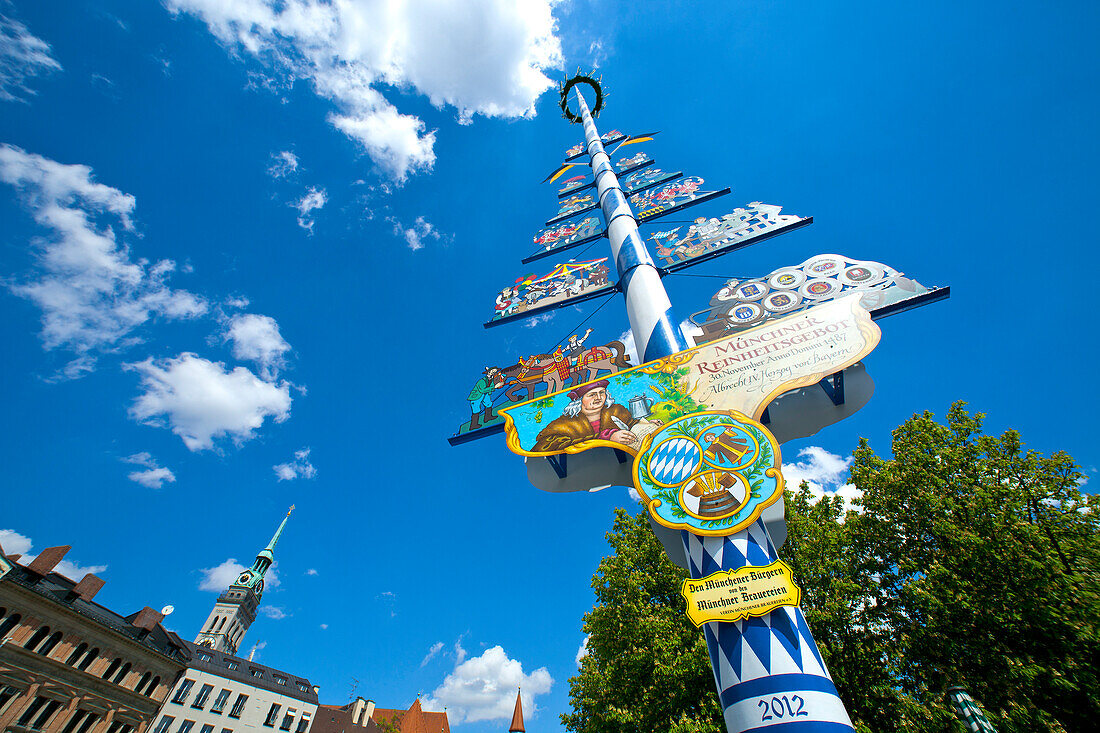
[(970, 561)]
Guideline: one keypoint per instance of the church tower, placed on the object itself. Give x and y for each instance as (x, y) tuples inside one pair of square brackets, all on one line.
[(236, 607)]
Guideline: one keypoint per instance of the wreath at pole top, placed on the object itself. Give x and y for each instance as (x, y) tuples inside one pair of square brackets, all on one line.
[(567, 87)]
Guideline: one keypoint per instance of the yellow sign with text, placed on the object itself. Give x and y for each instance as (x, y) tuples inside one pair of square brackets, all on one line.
[(731, 595)]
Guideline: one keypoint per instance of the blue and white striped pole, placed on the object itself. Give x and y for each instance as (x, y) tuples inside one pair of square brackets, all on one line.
[(656, 331), (769, 673)]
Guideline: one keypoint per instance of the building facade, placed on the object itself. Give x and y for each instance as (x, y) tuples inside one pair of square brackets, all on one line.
[(70, 665), (221, 693)]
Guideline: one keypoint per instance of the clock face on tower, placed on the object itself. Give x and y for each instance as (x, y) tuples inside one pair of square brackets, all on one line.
[(245, 579), (260, 587)]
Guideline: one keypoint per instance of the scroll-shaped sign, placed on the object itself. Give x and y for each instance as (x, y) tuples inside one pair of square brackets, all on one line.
[(634, 162), (686, 417), (743, 304), (568, 283), (671, 197), (573, 205), (646, 178), (572, 184), (569, 364), (731, 595), (707, 238)]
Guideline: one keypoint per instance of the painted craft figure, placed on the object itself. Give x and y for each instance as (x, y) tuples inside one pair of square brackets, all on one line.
[(633, 161), (481, 397), (567, 233), (643, 178), (667, 196), (572, 183), (708, 234), (565, 281), (591, 415), (574, 204)]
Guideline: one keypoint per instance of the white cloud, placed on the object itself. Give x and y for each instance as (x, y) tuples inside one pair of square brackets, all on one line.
[(274, 612), (478, 56), (14, 543), (582, 650), (19, 544), (311, 571), (324, 626), (435, 649), (460, 653), (484, 688), (220, 577), (300, 467), (418, 234), (313, 199), (539, 320), (92, 295), (282, 164), (200, 401), (154, 476), (256, 338), (824, 472), (22, 56)]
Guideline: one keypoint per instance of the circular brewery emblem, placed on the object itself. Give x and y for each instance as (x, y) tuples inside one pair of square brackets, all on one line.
[(819, 288), (750, 291), (782, 301), (861, 275), (824, 266), (745, 314), (710, 472), (786, 279)]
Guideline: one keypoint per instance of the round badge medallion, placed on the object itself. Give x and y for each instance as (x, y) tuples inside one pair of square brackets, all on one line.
[(745, 314), (823, 266), (751, 291), (861, 275), (786, 279), (819, 288), (781, 302)]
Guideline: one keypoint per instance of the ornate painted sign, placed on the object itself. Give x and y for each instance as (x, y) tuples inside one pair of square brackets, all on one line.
[(671, 197), (708, 238), (703, 397), (572, 184), (573, 205), (568, 364), (731, 595), (742, 304), (646, 178), (567, 283), (566, 235), (607, 138), (633, 162), (710, 472)]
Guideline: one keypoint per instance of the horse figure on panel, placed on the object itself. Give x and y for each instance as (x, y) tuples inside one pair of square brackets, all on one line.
[(610, 358)]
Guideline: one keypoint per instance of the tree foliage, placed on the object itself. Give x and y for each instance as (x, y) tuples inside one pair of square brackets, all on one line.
[(970, 561)]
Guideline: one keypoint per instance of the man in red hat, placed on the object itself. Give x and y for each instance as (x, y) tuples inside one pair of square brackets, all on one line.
[(592, 415)]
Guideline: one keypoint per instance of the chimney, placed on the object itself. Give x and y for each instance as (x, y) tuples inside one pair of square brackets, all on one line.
[(357, 710), (88, 587), (47, 559), (317, 690), (369, 713), (146, 618)]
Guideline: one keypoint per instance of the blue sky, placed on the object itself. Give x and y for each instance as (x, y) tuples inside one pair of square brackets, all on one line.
[(246, 256)]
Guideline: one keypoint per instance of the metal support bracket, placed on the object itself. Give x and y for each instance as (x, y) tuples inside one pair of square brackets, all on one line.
[(558, 464), (623, 456), (834, 387)]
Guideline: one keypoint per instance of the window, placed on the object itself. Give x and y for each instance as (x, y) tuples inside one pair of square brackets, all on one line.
[(272, 714), (121, 676), (153, 686), (119, 727), (279, 680), (38, 637), (38, 713), (164, 723), (77, 653), (256, 671), (9, 623), (50, 643), (205, 657), (200, 699), (219, 702), (288, 719), (143, 682), (303, 723), (303, 687), (88, 659), (113, 668), (208, 728), (81, 722), (181, 692), (238, 705), (186, 726), (227, 730), (232, 665)]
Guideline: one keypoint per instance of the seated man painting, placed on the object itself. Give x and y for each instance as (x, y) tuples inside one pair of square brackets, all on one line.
[(592, 415)]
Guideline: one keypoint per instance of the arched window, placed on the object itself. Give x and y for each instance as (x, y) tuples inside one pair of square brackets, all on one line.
[(9, 623), (75, 656), (153, 686), (122, 674), (213, 622), (53, 641), (38, 638), (88, 659), (221, 624), (113, 668), (142, 682)]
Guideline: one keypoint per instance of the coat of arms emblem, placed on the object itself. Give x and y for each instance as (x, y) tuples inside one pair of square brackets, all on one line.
[(712, 472)]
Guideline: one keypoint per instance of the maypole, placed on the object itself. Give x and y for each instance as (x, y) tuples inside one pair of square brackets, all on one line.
[(768, 670)]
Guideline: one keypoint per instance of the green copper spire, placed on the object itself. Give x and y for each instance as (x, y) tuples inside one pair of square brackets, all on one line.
[(267, 555)]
